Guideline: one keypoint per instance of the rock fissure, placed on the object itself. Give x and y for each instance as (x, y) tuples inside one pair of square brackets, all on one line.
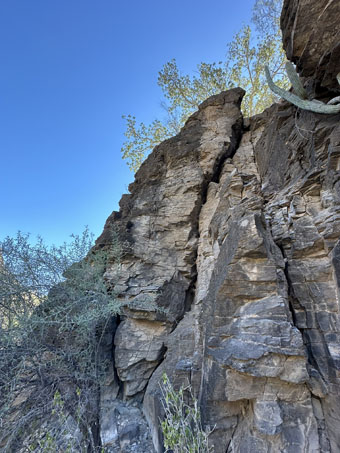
[(247, 333), (231, 280), (290, 292), (160, 271)]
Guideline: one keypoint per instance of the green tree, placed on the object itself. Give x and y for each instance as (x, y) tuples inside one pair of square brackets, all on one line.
[(55, 308), (251, 49), (266, 16)]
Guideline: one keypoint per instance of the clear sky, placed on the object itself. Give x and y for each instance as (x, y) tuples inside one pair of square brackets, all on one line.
[(68, 70)]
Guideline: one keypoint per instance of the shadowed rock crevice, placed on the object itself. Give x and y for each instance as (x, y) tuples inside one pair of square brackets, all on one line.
[(295, 214), (256, 345), (230, 282), (159, 219), (317, 383), (292, 301)]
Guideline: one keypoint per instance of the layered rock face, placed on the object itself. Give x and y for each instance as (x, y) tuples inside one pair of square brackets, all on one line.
[(235, 234), (231, 277), (160, 220)]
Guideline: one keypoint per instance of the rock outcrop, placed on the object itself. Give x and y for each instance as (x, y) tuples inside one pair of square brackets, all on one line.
[(160, 220), (311, 38), (254, 325), (231, 279)]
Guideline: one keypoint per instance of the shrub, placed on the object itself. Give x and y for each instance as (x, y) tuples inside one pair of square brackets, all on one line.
[(55, 308), (182, 428)]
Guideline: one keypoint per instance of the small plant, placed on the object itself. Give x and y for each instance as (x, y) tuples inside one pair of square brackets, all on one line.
[(182, 428), (64, 435)]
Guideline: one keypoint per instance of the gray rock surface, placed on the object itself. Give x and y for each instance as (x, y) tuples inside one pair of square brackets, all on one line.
[(311, 38), (232, 274), (160, 220), (230, 279), (243, 253)]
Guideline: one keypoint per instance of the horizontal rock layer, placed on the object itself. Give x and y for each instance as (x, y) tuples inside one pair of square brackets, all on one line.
[(234, 236), (160, 221)]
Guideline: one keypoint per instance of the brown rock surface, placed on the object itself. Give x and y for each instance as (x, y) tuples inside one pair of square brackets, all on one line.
[(160, 220), (232, 274), (242, 249), (311, 38)]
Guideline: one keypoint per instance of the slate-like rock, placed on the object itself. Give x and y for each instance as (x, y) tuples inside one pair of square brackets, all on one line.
[(230, 278), (311, 38)]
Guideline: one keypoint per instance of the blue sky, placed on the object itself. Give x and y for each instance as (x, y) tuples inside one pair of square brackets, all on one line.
[(69, 70)]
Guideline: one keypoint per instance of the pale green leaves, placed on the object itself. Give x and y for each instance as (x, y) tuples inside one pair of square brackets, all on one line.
[(185, 92), (247, 55), (182, 428), (141, 139)]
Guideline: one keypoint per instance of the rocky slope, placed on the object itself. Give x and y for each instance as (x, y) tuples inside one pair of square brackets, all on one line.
[(234, 231)]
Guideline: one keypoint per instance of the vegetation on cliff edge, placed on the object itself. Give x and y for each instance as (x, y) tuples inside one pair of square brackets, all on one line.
[(251, 49)]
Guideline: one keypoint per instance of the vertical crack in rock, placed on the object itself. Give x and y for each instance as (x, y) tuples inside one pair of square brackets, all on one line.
[(317, 383), (291, 297), (183, 366), (110, 387), (243, 259), (245, 325), (160, 220), (252, 351), (302, 207), (240, 285)]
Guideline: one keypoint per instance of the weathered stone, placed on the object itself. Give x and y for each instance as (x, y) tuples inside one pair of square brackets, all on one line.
[(124, 430), (267, 417), (311, 38), (265, 311), (230, 281), (160, 220)]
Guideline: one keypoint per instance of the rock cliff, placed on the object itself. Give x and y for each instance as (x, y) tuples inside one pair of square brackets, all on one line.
[(234, 229), (311, 38), (231, 275)]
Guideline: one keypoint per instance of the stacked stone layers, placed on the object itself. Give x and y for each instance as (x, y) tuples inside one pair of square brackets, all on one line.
[(251, 316), (160, 220), (234, 235)]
